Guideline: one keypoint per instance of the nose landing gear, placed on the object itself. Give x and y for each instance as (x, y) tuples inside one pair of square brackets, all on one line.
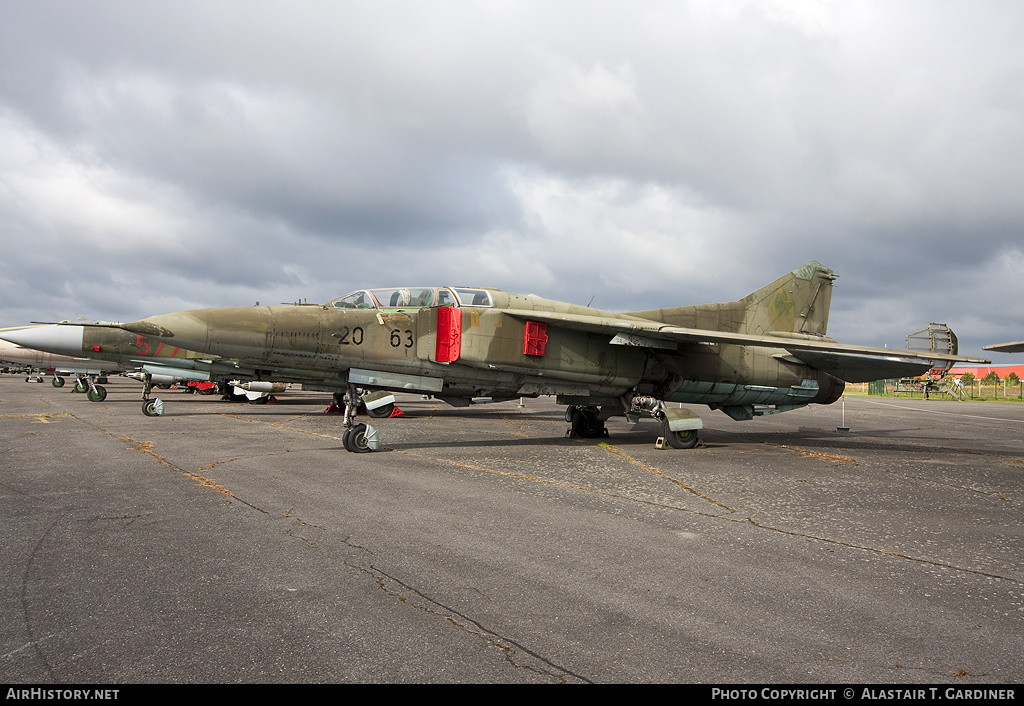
[(358, 438)]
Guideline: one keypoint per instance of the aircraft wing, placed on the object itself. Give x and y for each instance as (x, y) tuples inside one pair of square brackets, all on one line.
[(1015, 347), (847, 362)]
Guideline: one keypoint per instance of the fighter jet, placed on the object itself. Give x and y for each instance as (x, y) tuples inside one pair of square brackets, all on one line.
[(87, 348), (763, 354), (88, 370), (1014, 347)]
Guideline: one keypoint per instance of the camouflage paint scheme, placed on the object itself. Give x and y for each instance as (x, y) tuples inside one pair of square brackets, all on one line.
[(764, 353)]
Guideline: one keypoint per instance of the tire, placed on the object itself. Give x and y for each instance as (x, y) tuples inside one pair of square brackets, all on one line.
[(57, 381), (586, 425), (97, 394), (153, 408), (381, 412), (357, 439), (681, 439)]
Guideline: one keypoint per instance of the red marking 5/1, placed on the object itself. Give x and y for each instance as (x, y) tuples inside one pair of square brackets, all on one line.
[(143, 348)]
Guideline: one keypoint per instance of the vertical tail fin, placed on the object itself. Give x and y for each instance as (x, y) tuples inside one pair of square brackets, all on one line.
[(795, 303)]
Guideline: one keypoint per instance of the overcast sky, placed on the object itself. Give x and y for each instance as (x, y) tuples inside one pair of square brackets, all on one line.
[(157, 157)]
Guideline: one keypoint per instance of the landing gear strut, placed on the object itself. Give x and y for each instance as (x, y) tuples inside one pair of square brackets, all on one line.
[(679, 426), (87, 384), (358, 438), (150, 407)]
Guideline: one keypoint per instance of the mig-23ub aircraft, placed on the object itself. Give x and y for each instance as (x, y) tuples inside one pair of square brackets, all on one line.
[(763, 354)]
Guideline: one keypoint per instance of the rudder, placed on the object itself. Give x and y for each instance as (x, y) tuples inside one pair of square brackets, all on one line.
[(795, 303)]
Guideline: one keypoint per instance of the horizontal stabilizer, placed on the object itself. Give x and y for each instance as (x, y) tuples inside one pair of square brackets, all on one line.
[(1014, 347)]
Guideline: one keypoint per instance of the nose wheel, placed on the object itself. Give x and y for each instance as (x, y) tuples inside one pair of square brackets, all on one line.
[(150, 407), (87, 384), (358, 438)]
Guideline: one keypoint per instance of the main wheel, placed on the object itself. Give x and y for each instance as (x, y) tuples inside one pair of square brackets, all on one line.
[(585, 424), (97, 394), (381, 412), (681, 439)]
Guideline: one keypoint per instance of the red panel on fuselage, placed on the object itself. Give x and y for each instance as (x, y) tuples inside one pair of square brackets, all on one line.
[(449, 334)]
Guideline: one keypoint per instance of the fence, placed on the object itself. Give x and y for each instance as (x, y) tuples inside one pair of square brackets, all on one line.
[(973, 390)]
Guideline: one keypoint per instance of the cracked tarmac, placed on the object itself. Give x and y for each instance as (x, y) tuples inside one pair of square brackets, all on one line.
[(227, 542)]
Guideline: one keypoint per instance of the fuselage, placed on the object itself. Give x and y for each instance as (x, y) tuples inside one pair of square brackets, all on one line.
[(464, 343)]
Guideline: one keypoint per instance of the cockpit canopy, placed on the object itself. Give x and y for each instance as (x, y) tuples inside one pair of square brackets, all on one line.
[(412, 297)]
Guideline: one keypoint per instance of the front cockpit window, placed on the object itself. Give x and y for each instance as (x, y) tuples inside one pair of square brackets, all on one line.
[(355, 300)]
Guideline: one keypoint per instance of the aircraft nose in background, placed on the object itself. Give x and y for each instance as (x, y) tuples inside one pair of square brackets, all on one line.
[(62, 340)]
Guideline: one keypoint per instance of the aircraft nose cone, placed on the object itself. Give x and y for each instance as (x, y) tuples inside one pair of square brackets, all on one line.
[(62, 340)]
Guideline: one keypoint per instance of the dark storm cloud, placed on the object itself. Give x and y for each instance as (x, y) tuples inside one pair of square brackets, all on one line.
[(203, 154)]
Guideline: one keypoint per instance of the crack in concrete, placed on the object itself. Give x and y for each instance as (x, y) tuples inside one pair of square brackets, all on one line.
[(146, 447), (511, 650), (746, 520), (660, 474), (814, 454)]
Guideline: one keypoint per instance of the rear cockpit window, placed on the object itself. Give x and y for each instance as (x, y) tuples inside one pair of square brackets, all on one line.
[(400, 297), (473, 297), (412, 297)]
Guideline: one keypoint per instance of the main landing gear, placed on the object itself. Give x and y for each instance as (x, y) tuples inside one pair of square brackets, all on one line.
[(585, 422), (679, 426)]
